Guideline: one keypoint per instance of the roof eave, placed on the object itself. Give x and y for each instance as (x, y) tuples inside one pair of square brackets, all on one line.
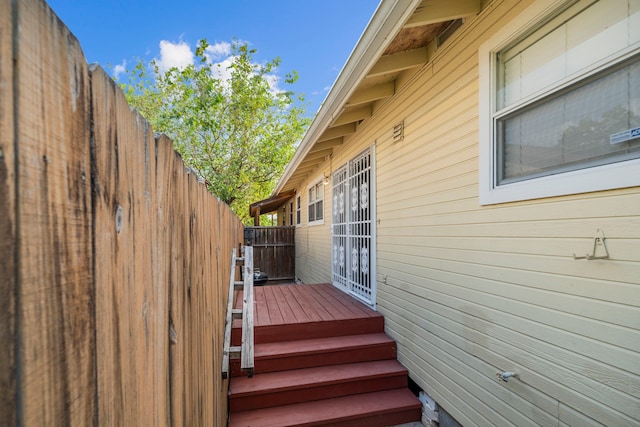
[(385, 23)]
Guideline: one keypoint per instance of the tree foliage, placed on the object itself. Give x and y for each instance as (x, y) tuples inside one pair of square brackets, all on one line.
[(231, 126)]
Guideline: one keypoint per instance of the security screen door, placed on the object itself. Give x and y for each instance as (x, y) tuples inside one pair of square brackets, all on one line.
[(352, 226)]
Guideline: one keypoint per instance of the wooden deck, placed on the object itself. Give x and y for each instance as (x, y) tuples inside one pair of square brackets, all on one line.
[(305, 312), (321, 358)]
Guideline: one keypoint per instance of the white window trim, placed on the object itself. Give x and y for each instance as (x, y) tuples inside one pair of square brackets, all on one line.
[(291, 212), (598, 178), (298, 214), (309, 187)]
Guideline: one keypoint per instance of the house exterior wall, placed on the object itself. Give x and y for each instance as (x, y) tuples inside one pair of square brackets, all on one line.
[(468, 290), (283, 215), (313, 242)]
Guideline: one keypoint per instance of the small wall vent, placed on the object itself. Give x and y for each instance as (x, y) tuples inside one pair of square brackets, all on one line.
[(398, 132)]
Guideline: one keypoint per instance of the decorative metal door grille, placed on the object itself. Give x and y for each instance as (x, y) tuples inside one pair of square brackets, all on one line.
[(339, 228), (352, 228)]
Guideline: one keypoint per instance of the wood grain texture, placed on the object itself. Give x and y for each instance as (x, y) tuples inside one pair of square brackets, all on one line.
[(247, 362), (274, 251), (129, 313), (8, 222), (55, 294), (162, 279), (114, 289)]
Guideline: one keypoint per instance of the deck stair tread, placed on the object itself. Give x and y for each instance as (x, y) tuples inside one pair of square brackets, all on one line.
[(270, 357), (299, 312), (321, 358), (299, 378), (379, 408), (302, 347), (310, 330), (278, 388)]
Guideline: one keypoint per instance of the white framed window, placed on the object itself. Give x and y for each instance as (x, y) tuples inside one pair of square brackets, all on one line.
[(298, 218), (315, 203), (290, 213), (560, 101)]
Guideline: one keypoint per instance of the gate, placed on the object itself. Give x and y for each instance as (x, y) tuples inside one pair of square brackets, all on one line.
[(274, 251)]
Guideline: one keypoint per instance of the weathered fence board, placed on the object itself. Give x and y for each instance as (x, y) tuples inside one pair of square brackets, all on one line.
[(129, 313), (55, 297), (8, 219), (273, 251), (113, 258)]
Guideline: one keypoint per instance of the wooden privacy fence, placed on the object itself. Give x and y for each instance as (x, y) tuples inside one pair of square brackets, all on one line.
[(114, 261), (274, 251)]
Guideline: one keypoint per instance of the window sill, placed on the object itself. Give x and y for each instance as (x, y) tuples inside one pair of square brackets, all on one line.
[(607, 177)]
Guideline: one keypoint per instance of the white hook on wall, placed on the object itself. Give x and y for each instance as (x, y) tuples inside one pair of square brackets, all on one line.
[(598, 242)]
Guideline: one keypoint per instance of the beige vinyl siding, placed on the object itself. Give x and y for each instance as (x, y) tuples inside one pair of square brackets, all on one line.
[(313, 243), (283, 212), (468, 291)]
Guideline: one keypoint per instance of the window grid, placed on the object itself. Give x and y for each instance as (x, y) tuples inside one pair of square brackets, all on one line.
[(315, 203)]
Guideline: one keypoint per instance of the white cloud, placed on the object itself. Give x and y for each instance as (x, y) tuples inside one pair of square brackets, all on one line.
[(120, 69), (221, 70), (219, 50), (273, 81), (177, 55), (180, 55)]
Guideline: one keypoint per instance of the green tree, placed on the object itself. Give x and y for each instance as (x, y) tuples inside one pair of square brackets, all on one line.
[(228, 122)]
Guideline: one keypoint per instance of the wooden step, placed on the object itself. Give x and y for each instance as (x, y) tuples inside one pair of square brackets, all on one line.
[(310, 330), (280, 356), (382, 408), (303, 385)]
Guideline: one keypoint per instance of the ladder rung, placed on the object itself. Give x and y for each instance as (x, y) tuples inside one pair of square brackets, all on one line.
[(240, 259), (238, 283)]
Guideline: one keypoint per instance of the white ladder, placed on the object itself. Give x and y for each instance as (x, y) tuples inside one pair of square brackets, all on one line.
[(245, 350)]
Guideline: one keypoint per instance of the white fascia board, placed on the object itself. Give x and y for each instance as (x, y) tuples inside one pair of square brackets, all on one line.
[(386, 22)]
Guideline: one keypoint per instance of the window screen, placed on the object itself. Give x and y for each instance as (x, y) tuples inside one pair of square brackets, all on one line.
[(550, 118)]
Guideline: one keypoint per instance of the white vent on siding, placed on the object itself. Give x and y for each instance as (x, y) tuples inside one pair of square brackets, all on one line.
[(398, 132)]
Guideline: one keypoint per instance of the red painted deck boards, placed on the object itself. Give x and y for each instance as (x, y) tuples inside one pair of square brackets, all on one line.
[(280, 356), (303, 347), (302, 385), (304, 378), (322, 358), (286, 304), (378, 406), (302, 308)]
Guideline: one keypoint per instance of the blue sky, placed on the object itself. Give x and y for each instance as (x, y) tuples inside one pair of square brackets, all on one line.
[(312, 37)]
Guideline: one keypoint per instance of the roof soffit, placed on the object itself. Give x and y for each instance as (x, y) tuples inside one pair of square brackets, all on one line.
[(371, 72)]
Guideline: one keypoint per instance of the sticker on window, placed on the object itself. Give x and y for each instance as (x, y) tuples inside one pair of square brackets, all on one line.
[(625, 135)]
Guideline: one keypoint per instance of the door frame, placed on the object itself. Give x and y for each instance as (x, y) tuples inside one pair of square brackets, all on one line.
[(372, 278)]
